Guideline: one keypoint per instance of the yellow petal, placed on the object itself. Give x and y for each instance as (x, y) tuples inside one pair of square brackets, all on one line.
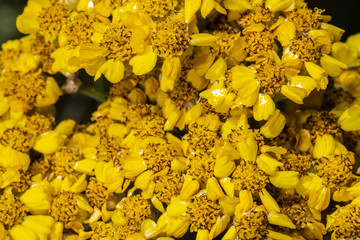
[(332, 66), (66, 127), (264, 107), (220, 226), (191, 7), (318, 74), (39, 223), (223, 167), (37, 198), (246, 202), (274, 125), (228, 186), (320, 200), (10, 158), (112, 69), (203, 39), (286, 32), (268, 164), (213, 189), (49, 142), (279, 5), (285, 179), (304, 82), (143, 62), (349, 119), (217, 70), (177, 207), (280, 219), (354, 41), (295, 94), (202, 234), (142, 181), (268, 201), (171, 70), (308, 184), (85, 166), (149, 229), (324, 145), (20, 232), (231, 234), (189, 188), (248, 149)]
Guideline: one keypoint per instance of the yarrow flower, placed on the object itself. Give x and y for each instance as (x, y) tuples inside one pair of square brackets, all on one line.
[(218, 119)]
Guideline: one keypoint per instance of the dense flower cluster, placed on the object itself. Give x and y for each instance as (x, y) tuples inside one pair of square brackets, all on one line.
[(228, 119)]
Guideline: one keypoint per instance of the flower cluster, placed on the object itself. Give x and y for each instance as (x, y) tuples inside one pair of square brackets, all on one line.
[(226, 119)]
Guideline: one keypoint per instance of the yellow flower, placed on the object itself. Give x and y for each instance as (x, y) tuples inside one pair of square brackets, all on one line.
[(49, 142), (27, 90), (20, 225), (342, 222), (184, 214), (43, 17), (182, 97), (253, 221)]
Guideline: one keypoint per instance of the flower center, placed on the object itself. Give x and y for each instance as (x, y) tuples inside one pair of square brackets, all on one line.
[(224, 43), (305, 49), (24, 183), (170, 38), (17, 139), (271, 77), (336, 170), (159, 8), (296, 208), (63, 161), (108, 150), (248, 176), (258, 42), (24, 87), (201, 165), (321, 123), (346, 225), (158, 155), (305, 18), (51, 19), (40, 47), (97, 193), (201, 137), (12, 211), (150, 125), (240, 134), (251, 225), (64, 207), (168, 185), (183, 94), (40, 165), (135, 209), (103, 231), (80, 29), (296, 162), (40, 123), (203, 213), (117, 43), (255, 15)]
